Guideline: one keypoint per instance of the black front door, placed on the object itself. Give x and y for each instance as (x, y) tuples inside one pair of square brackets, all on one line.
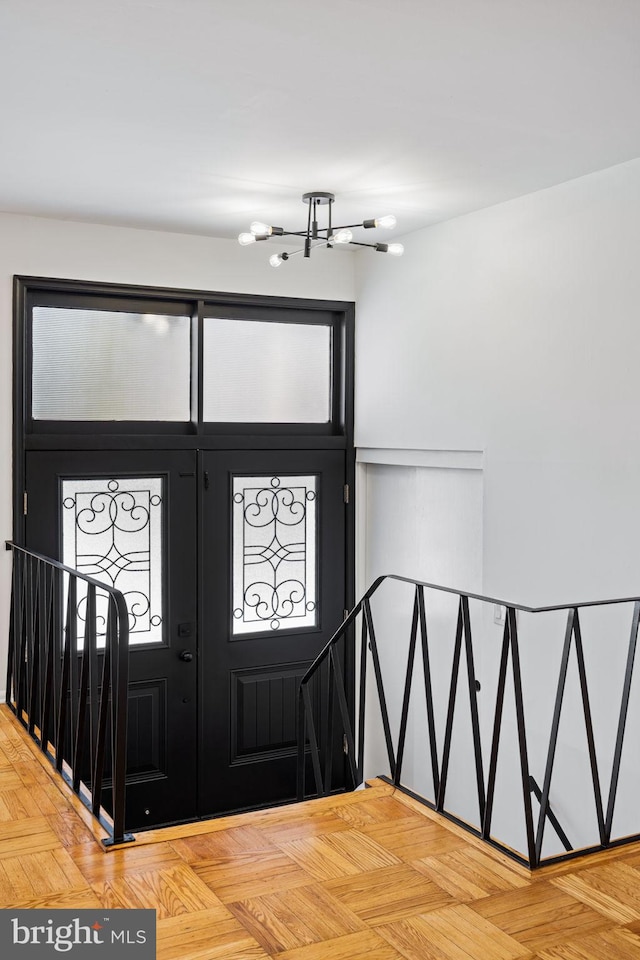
[(232, 565), (129, 519), (273, 591)]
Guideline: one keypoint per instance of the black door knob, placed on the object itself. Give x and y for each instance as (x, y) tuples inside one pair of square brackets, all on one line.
[(186, 655)]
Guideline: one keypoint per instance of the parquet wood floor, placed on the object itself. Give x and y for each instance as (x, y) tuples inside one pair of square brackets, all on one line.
[(370, 874)]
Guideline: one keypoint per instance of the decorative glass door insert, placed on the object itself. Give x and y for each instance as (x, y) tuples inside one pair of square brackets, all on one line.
[(112, 530), (275, 574)]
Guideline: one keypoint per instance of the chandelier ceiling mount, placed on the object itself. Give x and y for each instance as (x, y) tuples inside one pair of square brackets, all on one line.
[(316, 235)]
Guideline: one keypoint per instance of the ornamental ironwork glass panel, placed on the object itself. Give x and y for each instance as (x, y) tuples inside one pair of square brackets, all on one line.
[(264, 372), (112, 529), (96, 365), (274, 553)]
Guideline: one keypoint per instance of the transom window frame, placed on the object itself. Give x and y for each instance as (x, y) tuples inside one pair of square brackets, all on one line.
[(30, 292), (30, 434)]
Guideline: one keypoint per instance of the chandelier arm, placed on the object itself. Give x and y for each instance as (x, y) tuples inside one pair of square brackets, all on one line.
[(347, 226), (327, 231)]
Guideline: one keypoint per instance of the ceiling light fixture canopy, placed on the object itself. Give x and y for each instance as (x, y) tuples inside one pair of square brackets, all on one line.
[(316, 236)]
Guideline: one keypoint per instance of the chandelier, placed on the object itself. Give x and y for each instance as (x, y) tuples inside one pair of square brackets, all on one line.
[(316, 236)]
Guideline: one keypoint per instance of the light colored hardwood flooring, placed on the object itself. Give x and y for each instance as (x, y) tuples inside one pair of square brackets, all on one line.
[(371, 874)]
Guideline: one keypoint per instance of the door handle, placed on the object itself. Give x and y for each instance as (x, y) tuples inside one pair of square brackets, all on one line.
[(186, 656)]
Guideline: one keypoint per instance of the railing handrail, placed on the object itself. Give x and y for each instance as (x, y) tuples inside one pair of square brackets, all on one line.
[(117, 677), (503, 603), (113, 591), (377, 583)]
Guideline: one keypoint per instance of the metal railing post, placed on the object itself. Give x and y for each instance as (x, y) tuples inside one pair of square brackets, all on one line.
[(622, 721)]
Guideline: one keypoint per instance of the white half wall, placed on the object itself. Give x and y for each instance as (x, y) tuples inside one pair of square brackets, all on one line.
[(82, 251)]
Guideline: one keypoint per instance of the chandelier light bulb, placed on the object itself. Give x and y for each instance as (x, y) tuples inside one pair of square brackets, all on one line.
[(387, 222), (276, 260), (342, 236), (395, 249), (244, 239), (261, 229)]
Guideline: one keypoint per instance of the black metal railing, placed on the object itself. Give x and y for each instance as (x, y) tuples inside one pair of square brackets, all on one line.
[(344, 721), (70, 691)]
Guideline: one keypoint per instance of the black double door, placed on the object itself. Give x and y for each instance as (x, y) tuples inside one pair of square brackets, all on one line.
[(233, 567)]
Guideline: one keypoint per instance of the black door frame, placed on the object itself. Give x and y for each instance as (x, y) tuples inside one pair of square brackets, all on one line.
[(337, 434)]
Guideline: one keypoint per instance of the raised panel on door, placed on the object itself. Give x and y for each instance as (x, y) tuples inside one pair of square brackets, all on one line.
[(273, 593), (129, 518)]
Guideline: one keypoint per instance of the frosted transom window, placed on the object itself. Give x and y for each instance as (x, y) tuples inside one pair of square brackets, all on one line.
[(101, 365), (274, 553), (263, 372), (112, 530)]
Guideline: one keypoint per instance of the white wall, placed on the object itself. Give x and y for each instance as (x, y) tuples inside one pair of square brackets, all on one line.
[(515, 331), (50, 248)]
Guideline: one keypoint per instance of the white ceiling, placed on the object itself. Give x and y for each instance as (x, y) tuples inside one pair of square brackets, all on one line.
[(200, 115)]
